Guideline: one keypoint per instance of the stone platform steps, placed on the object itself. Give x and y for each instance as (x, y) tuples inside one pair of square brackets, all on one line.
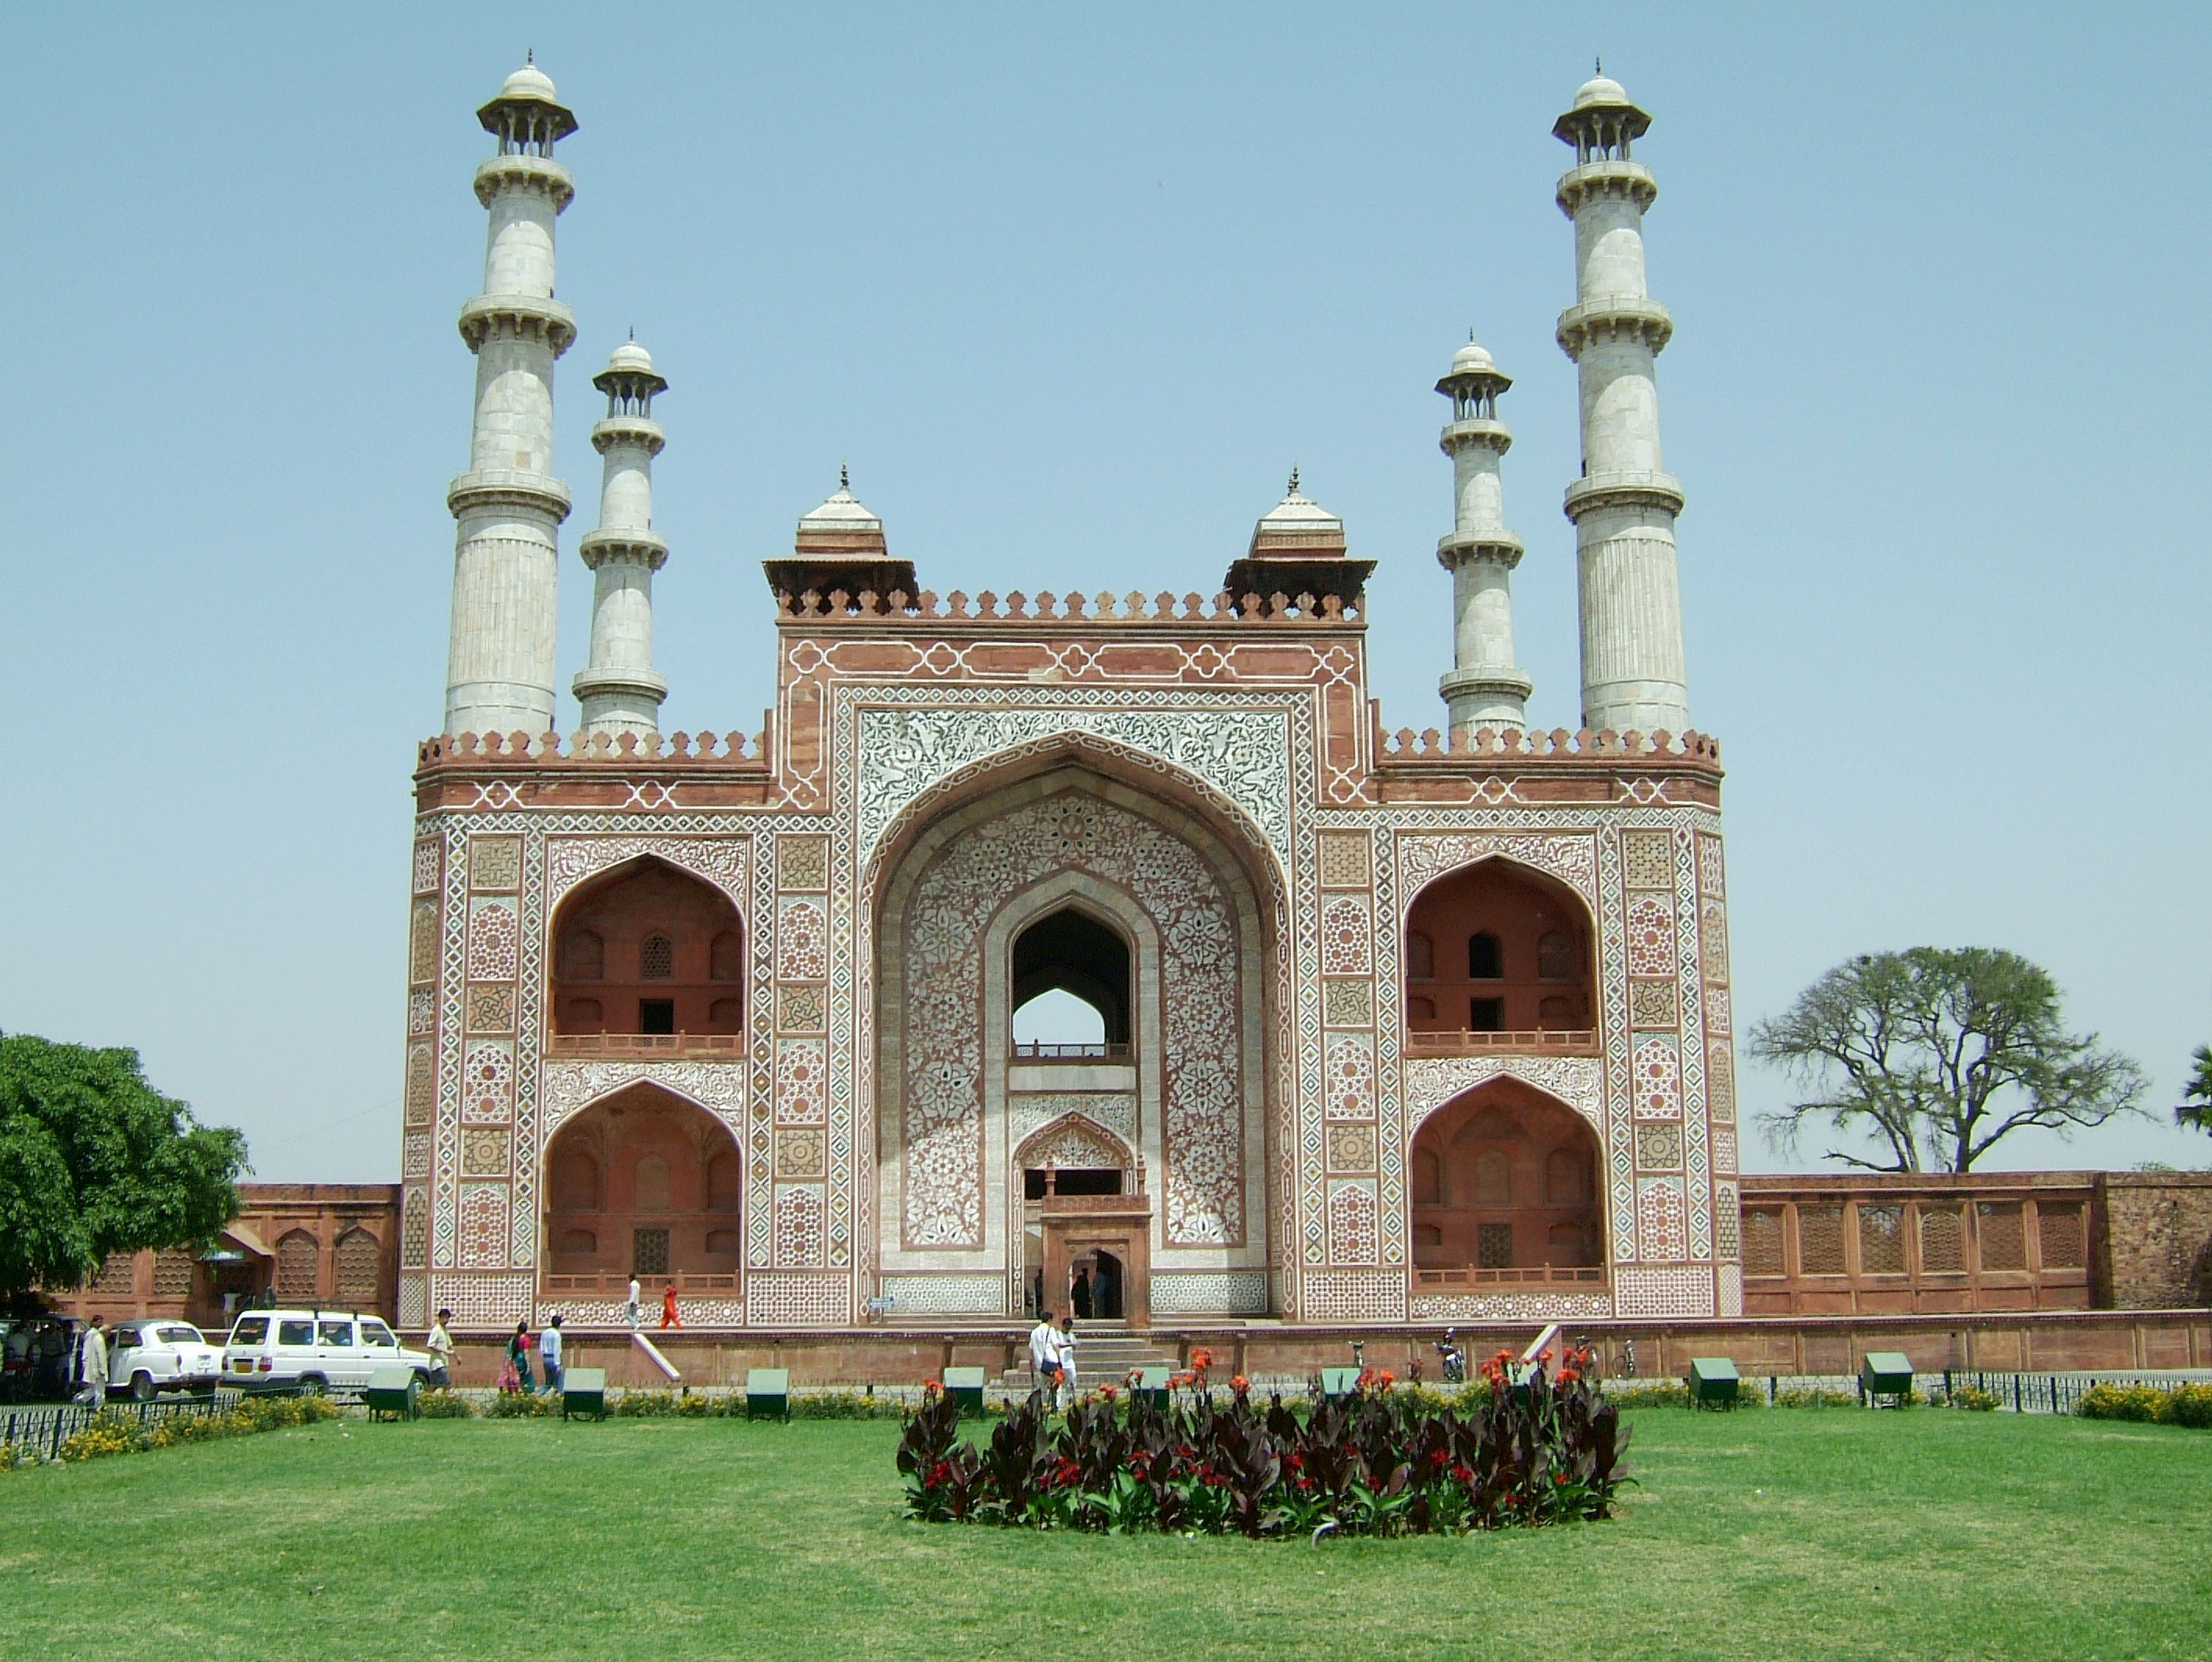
[(1103, 1355)]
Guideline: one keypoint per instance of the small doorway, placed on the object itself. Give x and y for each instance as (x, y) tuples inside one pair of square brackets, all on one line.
[(1107, 1280)]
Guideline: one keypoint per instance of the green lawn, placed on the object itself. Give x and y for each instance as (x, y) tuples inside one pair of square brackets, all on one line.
[(1777, 1535)]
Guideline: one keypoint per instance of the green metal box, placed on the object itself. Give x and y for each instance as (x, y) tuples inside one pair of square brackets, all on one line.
[(1340, 1382), (1712, 1382), (768, 1393), (1152, 1387), (1886, 1373), (584, 1391), (392, 1391), (966, 1386)]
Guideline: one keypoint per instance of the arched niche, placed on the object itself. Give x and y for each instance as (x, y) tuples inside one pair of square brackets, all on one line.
[(642, 1182), (647, 949), (1074, 951), (1498, 947), (1200, 911), (1505, 1189)]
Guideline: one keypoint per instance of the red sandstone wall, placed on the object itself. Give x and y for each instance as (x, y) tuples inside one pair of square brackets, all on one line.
[(2154, 1240)]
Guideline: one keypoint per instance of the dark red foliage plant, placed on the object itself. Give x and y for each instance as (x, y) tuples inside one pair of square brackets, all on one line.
[(1529, 1447)]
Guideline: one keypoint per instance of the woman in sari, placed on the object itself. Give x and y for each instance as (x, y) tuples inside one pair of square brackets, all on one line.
[(518, 1361)]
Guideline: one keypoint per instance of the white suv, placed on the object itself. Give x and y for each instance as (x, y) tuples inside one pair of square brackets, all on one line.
[(312, 1351)]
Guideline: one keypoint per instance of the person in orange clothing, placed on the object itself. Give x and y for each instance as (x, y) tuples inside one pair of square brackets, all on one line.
[(668, 1316)]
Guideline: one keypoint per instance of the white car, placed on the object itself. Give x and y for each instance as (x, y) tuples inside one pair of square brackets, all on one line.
[(156, 1354), (312, 1351)]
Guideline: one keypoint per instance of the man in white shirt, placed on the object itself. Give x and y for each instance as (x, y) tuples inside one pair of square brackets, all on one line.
[(630, 1309), (1044, 1347), (549, 1354), (439, 1345), (92, 1365)]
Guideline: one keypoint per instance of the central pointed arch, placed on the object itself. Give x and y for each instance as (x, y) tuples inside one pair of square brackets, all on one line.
[(1090, 855)]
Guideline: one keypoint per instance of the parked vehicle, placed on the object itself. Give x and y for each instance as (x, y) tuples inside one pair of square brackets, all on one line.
[(40, 1353), (312, 1351), (157, 1354)]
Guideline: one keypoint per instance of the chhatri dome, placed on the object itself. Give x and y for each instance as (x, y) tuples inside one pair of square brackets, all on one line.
[(1599, 90), (528, 82), (629, 358), (843, 512), (1299, 517), (1472, 360)]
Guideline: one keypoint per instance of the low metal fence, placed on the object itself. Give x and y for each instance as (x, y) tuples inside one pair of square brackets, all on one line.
[(2016, 1392), (44, 1429)]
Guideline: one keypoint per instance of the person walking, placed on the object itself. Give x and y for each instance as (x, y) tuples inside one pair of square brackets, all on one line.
[(1078, 1295), (632, 1309), (1064, 1355), (518, 1360), (439, 1345), (1044, 1345), (669, 1318), (92, 1364), (550, 1349)]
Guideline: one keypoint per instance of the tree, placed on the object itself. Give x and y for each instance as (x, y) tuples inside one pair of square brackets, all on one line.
[(2196, 1108), (1938, 1054), (94, 1160)]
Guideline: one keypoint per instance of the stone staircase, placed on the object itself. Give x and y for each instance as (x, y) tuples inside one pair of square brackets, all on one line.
[(1104, 1354)]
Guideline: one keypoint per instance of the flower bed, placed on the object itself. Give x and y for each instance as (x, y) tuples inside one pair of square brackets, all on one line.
[(2185, 1404), (118, 1432), (1381, 1462)]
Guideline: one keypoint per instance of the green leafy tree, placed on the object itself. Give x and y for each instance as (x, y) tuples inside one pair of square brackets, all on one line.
[(94, 1160), (2196, 1108), (1937, 1055)]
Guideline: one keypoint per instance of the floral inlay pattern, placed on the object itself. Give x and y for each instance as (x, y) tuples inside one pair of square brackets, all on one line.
[(1202, 1051)]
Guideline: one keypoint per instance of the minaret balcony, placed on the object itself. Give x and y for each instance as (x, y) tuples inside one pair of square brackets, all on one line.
[(647, 435), (1631, 179), (1597, 491), (524, 173), (647, 548), (605, 681), (1476, 430), (510, 488), (1461, 548), (1613, 317), (525, 317)]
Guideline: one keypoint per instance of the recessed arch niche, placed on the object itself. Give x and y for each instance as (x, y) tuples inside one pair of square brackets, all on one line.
[(648, 949), (1130, 867), (1497, 947), (1504, 1187), (643, 1182)]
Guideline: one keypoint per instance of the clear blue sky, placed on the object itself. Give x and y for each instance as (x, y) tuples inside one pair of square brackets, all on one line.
[(1071, 289)]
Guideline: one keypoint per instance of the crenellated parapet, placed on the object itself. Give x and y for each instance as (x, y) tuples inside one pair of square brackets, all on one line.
[(1104, 609)]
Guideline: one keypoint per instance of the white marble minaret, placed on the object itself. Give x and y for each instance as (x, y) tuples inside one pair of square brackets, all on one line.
[(1487, 688), (1623, 505), (620, 693), (499, 668)]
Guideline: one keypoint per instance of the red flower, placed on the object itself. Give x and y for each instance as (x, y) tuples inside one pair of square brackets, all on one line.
[(1463, 1474)]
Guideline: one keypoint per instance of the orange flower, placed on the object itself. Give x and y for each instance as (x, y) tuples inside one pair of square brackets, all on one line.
[(1240, 1385)]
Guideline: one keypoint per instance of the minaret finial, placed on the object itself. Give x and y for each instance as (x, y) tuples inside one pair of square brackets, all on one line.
[(1598, 64), (633, 332), (529, 55), (1294, 479), (844, 477)]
